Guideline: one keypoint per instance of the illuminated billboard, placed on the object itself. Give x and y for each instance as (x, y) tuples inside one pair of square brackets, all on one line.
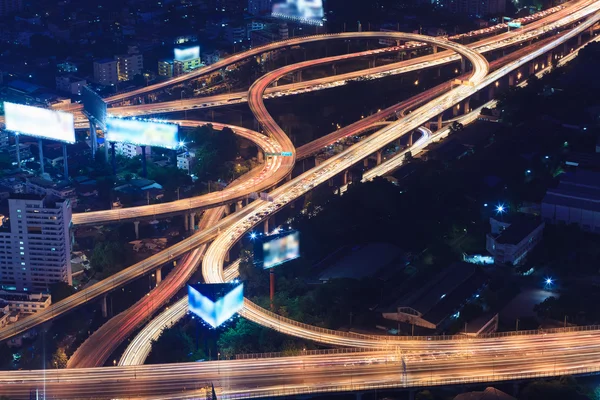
[(94, 105), (303, 11), (144, 133), (515, 24), (276, 250), (187, 53), (39, 122), (215, 303)]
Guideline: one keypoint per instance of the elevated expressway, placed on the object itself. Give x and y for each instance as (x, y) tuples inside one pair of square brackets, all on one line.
[(252, 214), (198, 203), (214, 259), (441, 362)]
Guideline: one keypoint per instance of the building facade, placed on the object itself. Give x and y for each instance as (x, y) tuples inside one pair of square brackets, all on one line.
[(131, 150), (70, 84), (165, 68), (35, 249), (105, 72), (511, 242), (129, 65), (576, 200)]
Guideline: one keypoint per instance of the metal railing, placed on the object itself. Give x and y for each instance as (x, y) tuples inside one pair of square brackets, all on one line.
[(414, 385)]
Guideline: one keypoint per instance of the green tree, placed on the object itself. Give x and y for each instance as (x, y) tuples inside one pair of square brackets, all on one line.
[(107, 257), (59, 358), (173, 346), (61, 290)]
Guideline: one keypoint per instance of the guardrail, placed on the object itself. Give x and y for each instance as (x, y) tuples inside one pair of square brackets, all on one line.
[(291, 353), (420, 384)]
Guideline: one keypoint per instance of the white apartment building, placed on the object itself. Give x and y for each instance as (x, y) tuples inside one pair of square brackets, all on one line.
[(185, 161), (105, 72), (131, 150), (70, 84), (129, 65), (35, 244)]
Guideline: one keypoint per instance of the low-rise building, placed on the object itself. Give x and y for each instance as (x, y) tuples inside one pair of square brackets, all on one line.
[(53, 190), (510, 241), (131, 150), (434, 304), (70, 84), (186, 160), (576, 200), (105, 72), (165, 68), (25, 303)]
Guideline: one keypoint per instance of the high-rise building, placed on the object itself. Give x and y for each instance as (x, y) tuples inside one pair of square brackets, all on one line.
[(35, 246), (10, 6), (105, 72), (260, 7)]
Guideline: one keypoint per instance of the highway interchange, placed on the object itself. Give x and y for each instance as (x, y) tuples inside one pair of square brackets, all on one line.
[(357, 368)]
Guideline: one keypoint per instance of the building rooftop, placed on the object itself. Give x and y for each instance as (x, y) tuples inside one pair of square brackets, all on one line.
[(105, 60), (445, 292), (23, 86), (26, 196), (489, 393), (579, 190), (518, 229)]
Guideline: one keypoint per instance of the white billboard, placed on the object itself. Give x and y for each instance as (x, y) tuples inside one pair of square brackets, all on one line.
[(39, 122), (185, 54), (144, 133), (303, 11)]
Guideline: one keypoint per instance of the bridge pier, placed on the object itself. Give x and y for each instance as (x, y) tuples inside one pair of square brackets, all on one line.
[(288, 177), (158, 273), (435, 49), (579, 40), (104, 307), (260, 156), (266, 226), (238, 206), (467, 105), (192, 221), (299, 76), (549, 59), (439, 121), (379, 156), (410, 138), (455, 110), (463, 65), (411, 394), (186, 220), (136, 225), (334, 69), (511, 80), (345, 177)]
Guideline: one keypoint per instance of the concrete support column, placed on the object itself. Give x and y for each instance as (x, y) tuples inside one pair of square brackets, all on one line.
[(565, 49), (438, 72), (549, 60), (288, 177), (379, 156), (435, 49), (192, 221), (491, 91), (467, 105), (531, 68), (158, 273), (366, 162), (427, 125), (104, 307), (579, 40), (238, 206), (186, 222), (455, 110), (463, 65), (136, 225), (511, 80), (334, 69), (345, 177), (227, 256), (266, 226), (411, 395), (439, 121), (260, 156), (299, 76)]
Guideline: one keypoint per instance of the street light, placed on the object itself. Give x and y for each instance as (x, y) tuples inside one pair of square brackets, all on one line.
[(500, 209), (548, 282)]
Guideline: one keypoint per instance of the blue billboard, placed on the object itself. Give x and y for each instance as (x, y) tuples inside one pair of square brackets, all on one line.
[(215, 303), (141, 132)]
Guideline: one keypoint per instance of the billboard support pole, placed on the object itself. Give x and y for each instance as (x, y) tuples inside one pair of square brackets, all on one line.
[(41, 155), (272, 287), (18, 146), (93, 138), (144, 172), (65, 162), (114, 158)]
